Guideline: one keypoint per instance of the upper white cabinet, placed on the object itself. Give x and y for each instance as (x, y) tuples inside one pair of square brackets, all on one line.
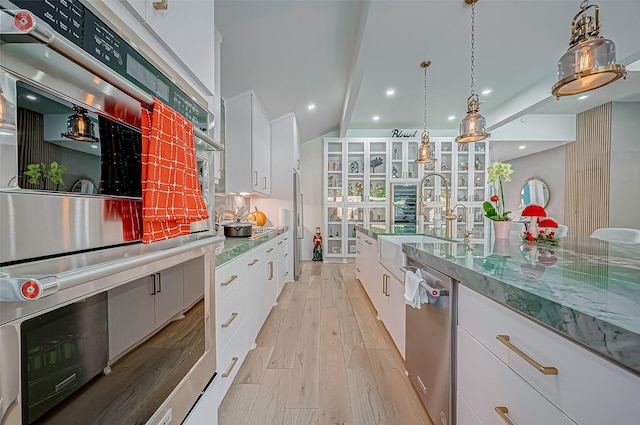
[(247, 145), (403, 167), (183, 28), (285, 151)]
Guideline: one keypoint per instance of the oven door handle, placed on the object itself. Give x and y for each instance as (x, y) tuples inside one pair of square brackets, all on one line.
[(26, 288)]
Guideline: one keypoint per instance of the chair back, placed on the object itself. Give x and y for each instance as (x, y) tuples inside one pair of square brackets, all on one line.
[(617, 234)]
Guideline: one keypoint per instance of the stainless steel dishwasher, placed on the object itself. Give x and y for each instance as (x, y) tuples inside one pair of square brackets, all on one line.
[(430, 348)]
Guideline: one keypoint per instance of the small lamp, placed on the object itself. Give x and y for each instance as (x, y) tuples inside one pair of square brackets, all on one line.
[(424, 148), (590, 62), (473, 125), (80, 126)]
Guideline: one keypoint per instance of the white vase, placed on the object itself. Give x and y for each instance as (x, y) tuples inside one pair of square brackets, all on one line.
[(501, 229)]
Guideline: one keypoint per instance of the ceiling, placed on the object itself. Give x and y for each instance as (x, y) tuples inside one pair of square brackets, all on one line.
[(344, 55)]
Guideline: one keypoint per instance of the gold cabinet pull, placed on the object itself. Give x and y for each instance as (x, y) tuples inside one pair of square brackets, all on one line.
[(255, 174), (280, 243), (228, 282), (264, 185), (386, 286), (546, 370), (234, 360), (369, 242), (270, 270), (253, 262), (161, 5), (228, 322), (502, 412), (269, 250)]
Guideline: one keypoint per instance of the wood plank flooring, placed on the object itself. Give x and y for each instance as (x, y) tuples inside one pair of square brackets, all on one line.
[(322, 358)]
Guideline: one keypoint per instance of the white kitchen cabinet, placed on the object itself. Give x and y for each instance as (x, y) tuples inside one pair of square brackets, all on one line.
[(193, 278), (384, 290), (247, 146), (285, 152), (581, 388), (138, 308), (392, 312), (403, 168), (183, 28), (492, 389), (355, 185)]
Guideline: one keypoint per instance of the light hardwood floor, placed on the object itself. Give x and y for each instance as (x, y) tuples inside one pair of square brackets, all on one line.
[(322, 358)]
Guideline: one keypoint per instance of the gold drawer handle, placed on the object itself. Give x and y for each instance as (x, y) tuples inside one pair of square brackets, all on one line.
[(253, 262), (280, 243), (228, 322), (234, 360), (369, 242), (502, 412), (269, 250), (546, 370), (228, 282), (286, 239)]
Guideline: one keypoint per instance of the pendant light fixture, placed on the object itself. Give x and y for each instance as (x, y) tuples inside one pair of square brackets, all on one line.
[(473, 125), (80, 126), (424, 149), (590, 62)]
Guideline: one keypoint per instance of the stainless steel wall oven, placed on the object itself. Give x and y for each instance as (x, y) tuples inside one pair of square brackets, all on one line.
[(79, 293)]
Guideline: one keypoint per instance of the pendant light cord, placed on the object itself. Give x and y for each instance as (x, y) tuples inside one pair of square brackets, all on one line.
[(425, 100), (473, 38)]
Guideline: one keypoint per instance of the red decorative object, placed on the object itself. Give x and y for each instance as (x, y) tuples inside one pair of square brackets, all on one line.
[(548, 222), (494, 198), (534, 211)]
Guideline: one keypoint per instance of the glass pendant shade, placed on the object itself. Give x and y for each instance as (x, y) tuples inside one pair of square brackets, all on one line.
[(473, 127), (80, 126), (587, 66), (424, 149), (590, 62)]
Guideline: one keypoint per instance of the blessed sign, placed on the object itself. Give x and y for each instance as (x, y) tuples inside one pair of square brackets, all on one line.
[(399, 133)]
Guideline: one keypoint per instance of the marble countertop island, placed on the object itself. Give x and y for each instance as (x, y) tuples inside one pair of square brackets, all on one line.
[(586, 289)]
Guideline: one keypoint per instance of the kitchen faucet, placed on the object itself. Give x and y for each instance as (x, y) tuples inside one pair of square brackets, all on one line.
[(467, 231), (448, 213)]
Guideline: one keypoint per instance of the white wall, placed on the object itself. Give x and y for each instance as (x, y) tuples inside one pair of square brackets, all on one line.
[(311, 178), (549, 166), (624, 201)]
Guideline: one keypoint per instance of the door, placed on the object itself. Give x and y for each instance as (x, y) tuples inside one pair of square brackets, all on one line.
[(298, 227), (169, 297)]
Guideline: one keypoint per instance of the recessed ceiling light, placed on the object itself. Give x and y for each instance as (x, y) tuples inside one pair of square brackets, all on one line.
[(311, 106), (391, 92), (486, 92), (31, 97), (451, 117), (522, 147), (583, 97), (376, 117)]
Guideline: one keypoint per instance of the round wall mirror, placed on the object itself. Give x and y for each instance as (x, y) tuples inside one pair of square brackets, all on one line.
[(85, 185), (535, 191)]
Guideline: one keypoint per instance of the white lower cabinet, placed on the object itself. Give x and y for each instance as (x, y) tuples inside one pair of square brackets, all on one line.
[(495, 393), (138, 308), (384, 290), (493, 339), (466, 415)]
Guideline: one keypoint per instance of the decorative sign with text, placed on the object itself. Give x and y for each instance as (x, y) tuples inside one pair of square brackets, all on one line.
[(399, 133)]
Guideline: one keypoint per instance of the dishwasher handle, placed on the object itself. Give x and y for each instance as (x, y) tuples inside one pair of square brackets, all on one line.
[(434, 292)]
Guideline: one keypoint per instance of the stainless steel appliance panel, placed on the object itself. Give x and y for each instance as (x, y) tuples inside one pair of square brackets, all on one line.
[(430, 335), (38, 224), (298, 228)]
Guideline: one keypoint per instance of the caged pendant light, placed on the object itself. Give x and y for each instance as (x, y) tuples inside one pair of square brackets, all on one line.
[(424, 148), (590, 62), (473, 125), (80, 126)]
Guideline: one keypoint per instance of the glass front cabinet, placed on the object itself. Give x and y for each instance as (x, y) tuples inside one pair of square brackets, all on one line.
[(359, 173)]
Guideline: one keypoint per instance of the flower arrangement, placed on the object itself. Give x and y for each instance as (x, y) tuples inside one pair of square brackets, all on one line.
[(550, 238), (499, 173)]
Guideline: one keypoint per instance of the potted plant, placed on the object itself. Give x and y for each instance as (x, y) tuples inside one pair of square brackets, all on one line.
[(499, 173), (38, 172)]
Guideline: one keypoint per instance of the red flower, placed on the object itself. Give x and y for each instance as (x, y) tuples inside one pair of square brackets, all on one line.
[(541, 231), (530, 237), (494, 198), (552, 234)]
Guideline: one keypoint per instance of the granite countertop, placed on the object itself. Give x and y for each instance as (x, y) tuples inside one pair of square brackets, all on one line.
[(587, 289), (230, 248)]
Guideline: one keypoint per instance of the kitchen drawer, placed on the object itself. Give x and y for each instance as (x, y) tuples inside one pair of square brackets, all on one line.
[(231, 274), (466, 415), (487, 383), (232, 312), (230, 358), (588, 388)]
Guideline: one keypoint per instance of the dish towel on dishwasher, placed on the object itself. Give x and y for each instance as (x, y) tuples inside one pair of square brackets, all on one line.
[(414, 293), (171, 196)]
